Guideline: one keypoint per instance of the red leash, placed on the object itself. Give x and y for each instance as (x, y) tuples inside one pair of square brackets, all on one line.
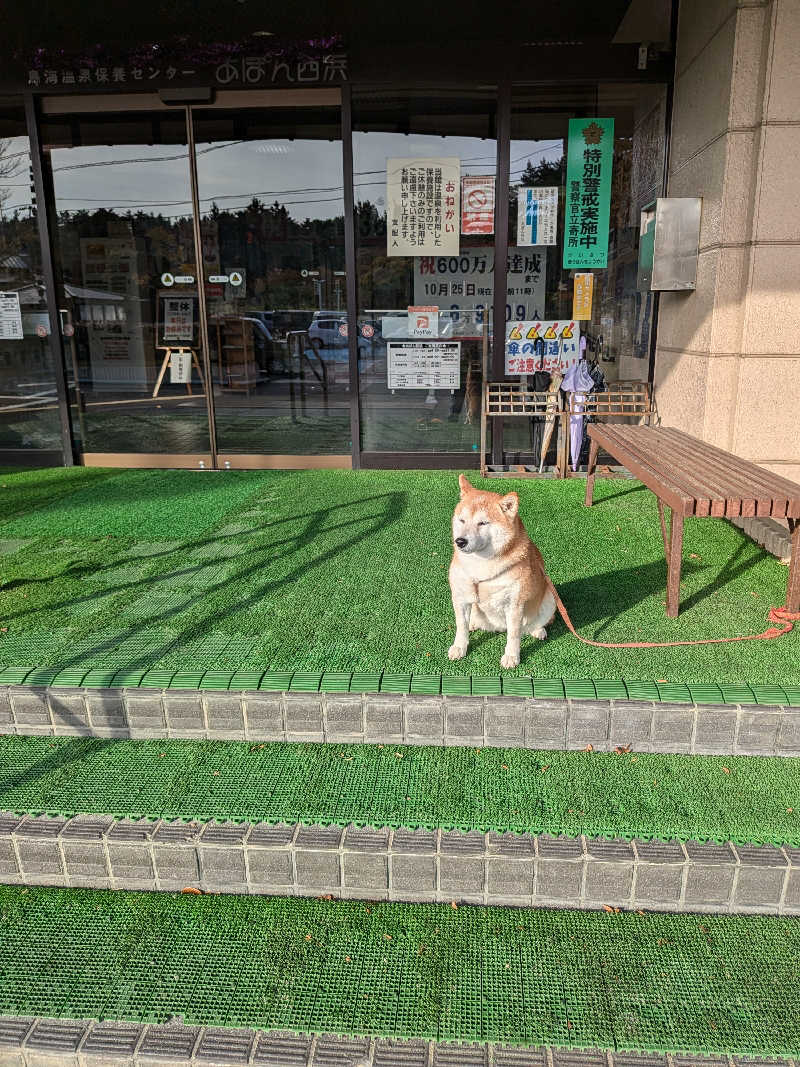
[(783, 616)]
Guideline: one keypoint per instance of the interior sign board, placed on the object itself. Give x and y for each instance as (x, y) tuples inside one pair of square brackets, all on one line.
[(477, 205), (537, 216), (178, 319), (466, 282), (423, 364), (590, 156), (423, 205), (10, 317)]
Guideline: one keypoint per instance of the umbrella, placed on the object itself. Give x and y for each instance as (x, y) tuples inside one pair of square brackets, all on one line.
[(550, 419), (577, 381)]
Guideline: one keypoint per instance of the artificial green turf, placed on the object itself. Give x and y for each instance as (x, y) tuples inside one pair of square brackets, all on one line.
[(740, 798), (530, 977), (347, 571)]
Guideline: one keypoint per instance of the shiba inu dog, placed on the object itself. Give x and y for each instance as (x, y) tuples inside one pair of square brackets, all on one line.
[(497, 575)]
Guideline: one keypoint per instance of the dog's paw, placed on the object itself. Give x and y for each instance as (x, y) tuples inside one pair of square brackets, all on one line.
[(509, 661), (456, 651), (539, 634)]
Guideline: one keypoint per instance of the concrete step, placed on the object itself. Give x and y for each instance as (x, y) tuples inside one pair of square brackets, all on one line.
[(496, 977), (378, 863), (487, 721), (34, 1042)]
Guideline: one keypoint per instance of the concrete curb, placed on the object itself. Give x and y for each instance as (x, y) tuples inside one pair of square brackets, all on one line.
[(487, 721), (770, 534), (421, 866), (29, 1042)]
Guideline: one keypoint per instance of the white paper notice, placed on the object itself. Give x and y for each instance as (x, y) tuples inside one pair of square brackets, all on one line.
[(537, 216), (466, 282), (180, 368), (10, 317), (423, 206), (423, 364)]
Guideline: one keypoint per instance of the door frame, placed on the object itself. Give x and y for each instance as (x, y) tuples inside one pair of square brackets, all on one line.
[(265, 99)]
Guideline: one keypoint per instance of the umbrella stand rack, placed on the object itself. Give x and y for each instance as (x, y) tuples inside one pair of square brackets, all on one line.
[(515, 399)]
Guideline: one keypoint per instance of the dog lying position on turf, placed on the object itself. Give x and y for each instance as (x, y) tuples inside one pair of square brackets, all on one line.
[(497, 575)]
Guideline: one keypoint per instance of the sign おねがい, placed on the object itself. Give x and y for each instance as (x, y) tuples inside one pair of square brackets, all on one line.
[(423, 204)]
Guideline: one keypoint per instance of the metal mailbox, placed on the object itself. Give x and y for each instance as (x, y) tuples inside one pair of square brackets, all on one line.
[(669, 239)]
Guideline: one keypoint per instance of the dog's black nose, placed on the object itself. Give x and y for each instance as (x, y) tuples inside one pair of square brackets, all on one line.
[(461, 541)]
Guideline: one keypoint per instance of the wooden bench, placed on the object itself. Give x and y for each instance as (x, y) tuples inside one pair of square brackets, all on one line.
[(695, 479)]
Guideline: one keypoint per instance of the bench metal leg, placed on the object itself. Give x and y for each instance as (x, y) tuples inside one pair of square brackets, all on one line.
[(673, 548), (594, 448), (793, 584)]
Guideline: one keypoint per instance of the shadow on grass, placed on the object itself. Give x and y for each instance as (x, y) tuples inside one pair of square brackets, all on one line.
[(68, 752), (391, 508)]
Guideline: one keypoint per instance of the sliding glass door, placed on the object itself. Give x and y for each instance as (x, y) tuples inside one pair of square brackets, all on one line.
[(126, 258), (202, 267), (271, 211)]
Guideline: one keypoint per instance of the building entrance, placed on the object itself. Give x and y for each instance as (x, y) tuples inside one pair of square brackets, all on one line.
[(201, 258)]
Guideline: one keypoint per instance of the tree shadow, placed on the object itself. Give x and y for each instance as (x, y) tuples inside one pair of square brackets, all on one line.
[(72, 750), (392, 507)]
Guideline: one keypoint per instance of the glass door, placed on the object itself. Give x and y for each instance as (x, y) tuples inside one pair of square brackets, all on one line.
[(271, 222), (129, 301)]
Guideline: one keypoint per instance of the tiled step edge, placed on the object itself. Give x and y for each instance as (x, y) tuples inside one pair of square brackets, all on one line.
[(483, 721), (421, 866), (28, 1042)]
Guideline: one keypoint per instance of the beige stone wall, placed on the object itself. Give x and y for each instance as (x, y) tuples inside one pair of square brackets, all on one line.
[(728, 354)]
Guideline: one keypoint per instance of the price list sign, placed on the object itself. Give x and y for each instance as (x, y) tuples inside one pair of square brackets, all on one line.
[(423, 364)]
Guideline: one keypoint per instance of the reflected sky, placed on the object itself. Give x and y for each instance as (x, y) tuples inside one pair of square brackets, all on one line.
[(303, 175)]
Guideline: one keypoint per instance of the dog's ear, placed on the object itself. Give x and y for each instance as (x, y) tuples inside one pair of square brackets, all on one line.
[(510, 504), (464, 486)]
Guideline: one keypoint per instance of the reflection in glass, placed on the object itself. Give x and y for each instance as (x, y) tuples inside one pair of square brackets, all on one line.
[(617, 336), (410, 419), (29, 417), (126, 252), (272, 221)]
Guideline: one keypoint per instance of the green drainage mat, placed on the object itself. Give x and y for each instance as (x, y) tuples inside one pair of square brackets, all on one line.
[(405, 684), (708, 798), (346, 571), (583, 979)]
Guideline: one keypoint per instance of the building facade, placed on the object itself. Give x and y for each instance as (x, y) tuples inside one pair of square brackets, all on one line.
[(211, 254)]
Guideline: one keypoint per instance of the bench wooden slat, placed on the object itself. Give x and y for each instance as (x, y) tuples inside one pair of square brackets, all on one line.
[(760, 475), (735, 480), (682, 502), (764, 486), (735, 495), (730, 492), (680, 481), (682, 465), (737, 485)]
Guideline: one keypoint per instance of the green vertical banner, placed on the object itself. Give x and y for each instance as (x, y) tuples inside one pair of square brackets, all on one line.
[(590, 156)]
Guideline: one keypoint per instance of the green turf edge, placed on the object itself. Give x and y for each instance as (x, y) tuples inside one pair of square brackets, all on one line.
[(309, 803), (529, 977), (660, 692)]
